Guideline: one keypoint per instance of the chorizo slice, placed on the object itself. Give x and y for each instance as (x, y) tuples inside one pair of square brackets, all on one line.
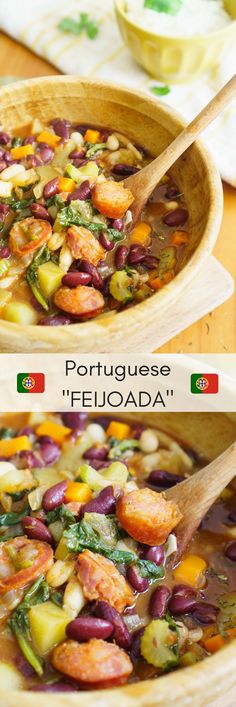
[(36, 558), (81, 302), (28, 235), (93, 664), (102, 580), (147, 516), (112, 199), (84, 245)]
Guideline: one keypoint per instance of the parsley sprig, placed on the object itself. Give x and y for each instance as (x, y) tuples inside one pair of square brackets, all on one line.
[(83, 24)]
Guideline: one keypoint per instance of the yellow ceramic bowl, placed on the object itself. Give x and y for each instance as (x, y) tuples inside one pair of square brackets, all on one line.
[(175, 59)]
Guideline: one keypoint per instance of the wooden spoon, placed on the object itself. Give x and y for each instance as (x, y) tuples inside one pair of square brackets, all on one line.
[(144, 182), (195, 496)]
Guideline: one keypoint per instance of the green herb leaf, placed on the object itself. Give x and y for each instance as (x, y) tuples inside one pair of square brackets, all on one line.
[(118, 448), (92, 149), (83, 24), (81, 536), (19, 622), (171, 7), (61, 513), (42, 256), (150, 569), (55, 201), (160, 90), (7, 433), (18, 204), (69, 217), (13, 518), (56, 597)]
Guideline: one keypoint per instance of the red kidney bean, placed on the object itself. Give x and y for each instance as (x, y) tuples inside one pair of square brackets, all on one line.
[(121, 634), (124, 169), (176, 218), (171, 192), (155, 554), (184, 590), (7, 156), (55, 320), (73, 279), (204, 613), (79, 163), (5, 252), (135, 652), (232, 516), (180, 604), (164, 479), (137, 431), (98, 464), (97, 280), (104, 503), (50, 451), (150, 262), (138, 583), (46, 153), (54, 687), (39, 211), (29, 140), (24, 667), (230, 551), (4, 138), (61, 128), (51, 188), (121, 255), (159, 602), (3, 165), (27, 431), (75, 420), (137, 254), (82, 193), (54, 496), (36, 530), (118, 224), (86, 627), (29, 460), (2, 153), (96, 452), (4, 209), (106, 243), (34, 161), (77, 154)]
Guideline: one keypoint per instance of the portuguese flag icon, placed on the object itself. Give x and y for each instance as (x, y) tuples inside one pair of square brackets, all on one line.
[(30, 382), (204, 383)]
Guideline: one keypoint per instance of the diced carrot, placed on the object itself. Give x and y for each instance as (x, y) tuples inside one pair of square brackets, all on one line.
[(49, 138), (141, 233), (18, 153), (179, 237), (54, 430), (112, 199), (119, 430), (66, 184), (191, 571), (213, 644), (158, 282), (92, 136), (9, 447), (77, 492)]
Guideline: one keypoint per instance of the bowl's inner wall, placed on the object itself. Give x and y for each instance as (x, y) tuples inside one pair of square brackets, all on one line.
[(153, 128)]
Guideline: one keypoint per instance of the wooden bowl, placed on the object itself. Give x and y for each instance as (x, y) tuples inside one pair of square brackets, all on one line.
[(150, 124), (203, 684)]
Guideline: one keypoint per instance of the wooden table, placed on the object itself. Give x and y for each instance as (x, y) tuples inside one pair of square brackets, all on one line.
[(215, 333)]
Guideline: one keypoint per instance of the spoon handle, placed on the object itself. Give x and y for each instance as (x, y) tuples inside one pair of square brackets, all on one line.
[(146, 180)]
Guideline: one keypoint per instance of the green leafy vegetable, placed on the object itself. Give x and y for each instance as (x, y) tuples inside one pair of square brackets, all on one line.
[(13, 518), (160, 90), (42, 256), (55, 201), (69, 217), (56, 597), (171, 7), (18, 204), (83, 24), (19, 622), (7, 433), (92, 149), (118, 448), (16, 142), (150, 569), (61, 513)]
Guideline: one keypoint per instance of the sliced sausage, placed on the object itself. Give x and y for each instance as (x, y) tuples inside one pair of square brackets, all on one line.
[(93, 664), (28, 235), (147, 516), (102, 580), (84, 245), (81, 302), (35, 552), (112, 199)]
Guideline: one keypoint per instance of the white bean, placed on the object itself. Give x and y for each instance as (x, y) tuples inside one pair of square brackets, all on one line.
[(112, 143), (96, 433), (59, 573), (77, 138), (148, 441), (74, 599)]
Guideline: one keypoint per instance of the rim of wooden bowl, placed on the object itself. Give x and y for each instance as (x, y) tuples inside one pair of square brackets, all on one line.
[(197, 686), (76, 337)]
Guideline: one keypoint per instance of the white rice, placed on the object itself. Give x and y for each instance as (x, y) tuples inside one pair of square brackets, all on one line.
[(194, 17)]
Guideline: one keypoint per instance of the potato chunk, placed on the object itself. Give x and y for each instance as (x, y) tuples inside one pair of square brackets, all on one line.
[(47, 625), (147, 516)]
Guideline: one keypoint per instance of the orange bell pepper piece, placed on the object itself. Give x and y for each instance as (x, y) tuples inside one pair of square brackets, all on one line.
[(158, 282), (119, 430), (49, 138), (141, 233), (66, 184), (92, 136), (179, 237), (213, 644), (9, 447), (77, 491), (18, 153), (54, 430), (190, 570)]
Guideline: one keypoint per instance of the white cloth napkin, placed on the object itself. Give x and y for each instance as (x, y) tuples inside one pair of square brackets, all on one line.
[(35, 24)]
